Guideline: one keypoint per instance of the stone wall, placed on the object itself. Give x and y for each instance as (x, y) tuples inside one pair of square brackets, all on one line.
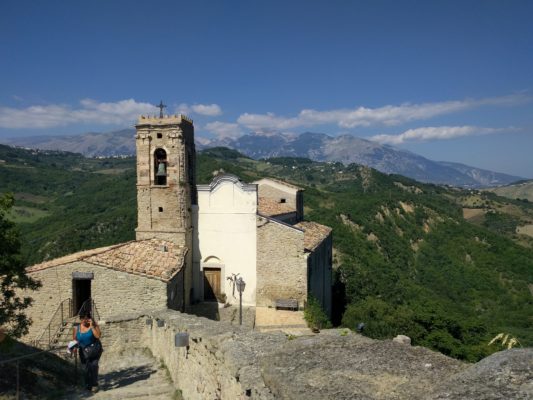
[(113, 291), (275, 190), (281, 263), (220, 362), (177, 292), (319, 275), (271, 192)]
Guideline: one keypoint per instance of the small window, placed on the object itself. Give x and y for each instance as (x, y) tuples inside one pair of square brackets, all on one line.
[(160, 209), (159, 135), (283, 200)]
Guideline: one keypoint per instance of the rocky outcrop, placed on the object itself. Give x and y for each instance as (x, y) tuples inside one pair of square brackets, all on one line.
[(504, 375)]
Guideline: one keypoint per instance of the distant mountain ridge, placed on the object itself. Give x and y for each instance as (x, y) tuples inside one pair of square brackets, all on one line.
[(315, 146), (91, 144), (350, 149)]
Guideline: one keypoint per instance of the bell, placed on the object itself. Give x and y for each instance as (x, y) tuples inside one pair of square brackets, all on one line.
[(161, 169)]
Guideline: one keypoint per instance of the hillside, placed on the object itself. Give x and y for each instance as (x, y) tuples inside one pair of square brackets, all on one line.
[(65, 202), (519, 190), (406, 260)]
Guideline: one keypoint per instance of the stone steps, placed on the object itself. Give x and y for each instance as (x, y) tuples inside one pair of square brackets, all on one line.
[(136, 375)]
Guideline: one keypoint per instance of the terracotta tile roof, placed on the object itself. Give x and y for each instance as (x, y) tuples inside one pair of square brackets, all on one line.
[(314, 233), (143, 257), (270, 207)]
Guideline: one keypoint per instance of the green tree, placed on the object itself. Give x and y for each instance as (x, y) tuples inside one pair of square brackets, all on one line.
[(12, 276)]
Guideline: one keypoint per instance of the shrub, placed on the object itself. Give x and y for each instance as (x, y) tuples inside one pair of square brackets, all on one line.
[(315, 315)]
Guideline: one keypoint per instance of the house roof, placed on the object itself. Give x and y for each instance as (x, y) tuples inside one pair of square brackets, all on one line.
[(270, 207), (152, 258), (314, 233)]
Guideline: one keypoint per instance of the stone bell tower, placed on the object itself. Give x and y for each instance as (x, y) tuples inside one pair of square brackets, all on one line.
[(166, 178)]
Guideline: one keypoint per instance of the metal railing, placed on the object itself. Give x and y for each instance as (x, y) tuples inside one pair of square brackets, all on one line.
[(56, 325)]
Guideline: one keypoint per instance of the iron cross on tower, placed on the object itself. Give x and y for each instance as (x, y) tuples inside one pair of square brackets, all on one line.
[(161, 106)]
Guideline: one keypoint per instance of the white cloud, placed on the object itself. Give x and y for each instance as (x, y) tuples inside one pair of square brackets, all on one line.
[(209, 110), (436, 133), (123, 112), (224, 129), (90, 111), (268, 121), (389, 115)]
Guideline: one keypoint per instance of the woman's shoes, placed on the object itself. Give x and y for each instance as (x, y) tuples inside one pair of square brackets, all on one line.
[(95, 389)]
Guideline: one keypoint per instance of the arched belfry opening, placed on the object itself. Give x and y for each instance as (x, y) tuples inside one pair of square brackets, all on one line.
[(160, 167)]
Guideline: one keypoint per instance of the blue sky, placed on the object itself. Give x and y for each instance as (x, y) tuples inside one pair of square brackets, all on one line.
[(450, 80)]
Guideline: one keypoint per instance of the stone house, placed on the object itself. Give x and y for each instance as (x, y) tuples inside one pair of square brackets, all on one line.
[(191, 238)]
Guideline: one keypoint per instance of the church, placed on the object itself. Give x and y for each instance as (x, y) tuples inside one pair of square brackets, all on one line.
[(193, 241)]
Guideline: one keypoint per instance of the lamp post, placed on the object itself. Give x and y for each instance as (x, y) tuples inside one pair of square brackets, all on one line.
[(240, 287)]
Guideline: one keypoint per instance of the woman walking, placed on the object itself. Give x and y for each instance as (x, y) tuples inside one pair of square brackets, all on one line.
[(87, 334)]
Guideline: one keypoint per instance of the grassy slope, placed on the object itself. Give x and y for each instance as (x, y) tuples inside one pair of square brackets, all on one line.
[(407, 261), (522, 190)]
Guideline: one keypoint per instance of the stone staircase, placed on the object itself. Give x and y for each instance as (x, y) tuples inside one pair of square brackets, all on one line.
[(65, 334), (134, 375)]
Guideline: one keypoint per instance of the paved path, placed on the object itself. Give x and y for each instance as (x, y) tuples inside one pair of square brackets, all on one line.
[(130, 376), (262, 319), (289, 322), (214, 311)]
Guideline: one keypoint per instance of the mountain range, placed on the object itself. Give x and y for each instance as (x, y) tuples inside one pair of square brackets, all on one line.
[(346, 149)]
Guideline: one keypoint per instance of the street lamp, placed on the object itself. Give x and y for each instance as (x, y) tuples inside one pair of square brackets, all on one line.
[(240, 287)]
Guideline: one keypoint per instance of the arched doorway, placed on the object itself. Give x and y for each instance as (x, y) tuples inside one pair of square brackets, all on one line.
[(213, 288)]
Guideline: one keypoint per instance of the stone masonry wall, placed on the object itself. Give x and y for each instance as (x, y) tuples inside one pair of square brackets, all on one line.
[(220, 363), (271, 192), (113, 291), (281, 263)]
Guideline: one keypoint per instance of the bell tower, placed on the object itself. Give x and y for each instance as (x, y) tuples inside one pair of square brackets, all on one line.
[(166, 178)]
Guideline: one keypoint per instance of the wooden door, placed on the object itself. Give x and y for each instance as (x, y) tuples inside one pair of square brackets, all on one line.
[(211, 283)]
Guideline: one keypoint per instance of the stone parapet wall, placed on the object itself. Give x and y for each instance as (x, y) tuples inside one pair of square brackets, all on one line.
[(220, 363), (281, 263)]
